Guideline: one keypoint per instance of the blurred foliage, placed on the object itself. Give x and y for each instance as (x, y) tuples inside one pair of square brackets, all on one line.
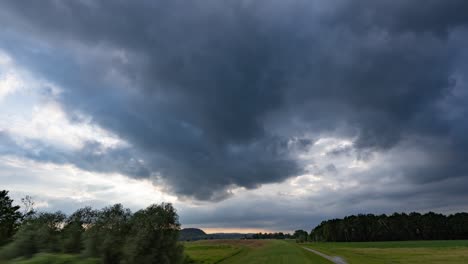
[(111, 235), (153, 237)]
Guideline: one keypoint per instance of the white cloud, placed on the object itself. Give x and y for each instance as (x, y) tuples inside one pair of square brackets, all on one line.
[(49, 123), (9, 81), (33, 112), (51, 184)]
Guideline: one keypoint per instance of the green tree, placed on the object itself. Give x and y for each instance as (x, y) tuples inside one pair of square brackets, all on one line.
[(74, 229), (300, 236), (154, 236), (40, 233), (10, 218), (398, 226), (107, 234)]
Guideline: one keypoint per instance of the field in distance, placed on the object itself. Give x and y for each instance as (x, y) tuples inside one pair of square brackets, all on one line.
[(408, 252), (250, 252)]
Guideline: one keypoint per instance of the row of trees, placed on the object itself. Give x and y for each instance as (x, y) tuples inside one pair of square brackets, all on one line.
[(279, 235), (113, 234), (413, 226)]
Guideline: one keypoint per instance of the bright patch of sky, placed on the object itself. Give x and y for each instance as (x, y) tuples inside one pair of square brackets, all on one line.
[(30, 110)]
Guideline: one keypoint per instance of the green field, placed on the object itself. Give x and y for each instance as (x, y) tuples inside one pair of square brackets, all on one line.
[(213, 251), (53, 259), (408, 252), (288, 252), (250, 251)]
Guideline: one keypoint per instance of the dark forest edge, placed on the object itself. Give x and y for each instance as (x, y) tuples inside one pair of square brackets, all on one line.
[(395, 227)]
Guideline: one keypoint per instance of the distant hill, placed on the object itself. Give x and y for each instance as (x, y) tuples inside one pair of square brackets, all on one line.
[(189, 234)]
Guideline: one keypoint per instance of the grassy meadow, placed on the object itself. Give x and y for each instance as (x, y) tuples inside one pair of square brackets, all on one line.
[(45, 258), (289, 252), (214, 251), (250, 252), (407, 252)]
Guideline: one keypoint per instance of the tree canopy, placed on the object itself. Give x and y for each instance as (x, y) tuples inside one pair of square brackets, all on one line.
[(10, 218), (113, 234), (413, 226)]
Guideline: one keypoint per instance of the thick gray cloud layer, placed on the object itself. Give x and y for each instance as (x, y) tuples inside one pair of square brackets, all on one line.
[(215, 94)]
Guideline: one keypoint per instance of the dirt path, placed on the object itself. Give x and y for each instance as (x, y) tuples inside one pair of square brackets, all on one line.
[(336, 260)]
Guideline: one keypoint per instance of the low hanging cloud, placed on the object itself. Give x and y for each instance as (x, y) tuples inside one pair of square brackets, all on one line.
[(213, 95)]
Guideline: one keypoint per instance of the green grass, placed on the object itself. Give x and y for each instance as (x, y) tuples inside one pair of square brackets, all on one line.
[(287, 252), (276, 252), (250, 252), (55, 259), (211, 251), (407, 252)]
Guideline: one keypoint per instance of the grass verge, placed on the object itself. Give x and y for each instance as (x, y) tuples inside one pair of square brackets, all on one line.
[(407, 252)]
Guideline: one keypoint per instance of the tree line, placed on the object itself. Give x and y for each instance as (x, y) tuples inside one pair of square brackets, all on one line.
[(111, 235), (278, 235), (395, 227)]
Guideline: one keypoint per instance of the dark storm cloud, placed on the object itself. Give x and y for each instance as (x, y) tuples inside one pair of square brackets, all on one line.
[(402, 16), (216, 91)]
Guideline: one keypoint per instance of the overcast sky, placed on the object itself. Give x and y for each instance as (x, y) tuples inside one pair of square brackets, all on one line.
[(246, 115)]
